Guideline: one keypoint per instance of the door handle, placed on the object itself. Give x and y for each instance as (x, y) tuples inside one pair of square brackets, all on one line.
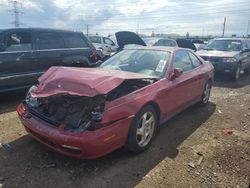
[(65, 55)]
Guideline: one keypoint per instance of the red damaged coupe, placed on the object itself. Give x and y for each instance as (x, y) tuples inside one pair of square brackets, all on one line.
[(89, 112)]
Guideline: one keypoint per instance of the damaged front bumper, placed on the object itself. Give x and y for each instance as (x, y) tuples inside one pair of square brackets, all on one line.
[(84, 145)]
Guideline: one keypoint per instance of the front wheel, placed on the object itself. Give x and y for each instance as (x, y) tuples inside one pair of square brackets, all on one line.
[(236, 73), (142, 130), (206, 94)]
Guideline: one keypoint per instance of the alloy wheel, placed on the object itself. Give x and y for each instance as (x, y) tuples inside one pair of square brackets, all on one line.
[(145, 129)]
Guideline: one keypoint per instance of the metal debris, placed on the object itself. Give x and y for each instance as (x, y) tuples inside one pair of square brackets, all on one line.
[(191, 164), (227, 131), (200, 160)]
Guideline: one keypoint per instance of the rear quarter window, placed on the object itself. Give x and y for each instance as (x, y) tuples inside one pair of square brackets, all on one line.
[(195, 61), (76, 41), (49, 40)]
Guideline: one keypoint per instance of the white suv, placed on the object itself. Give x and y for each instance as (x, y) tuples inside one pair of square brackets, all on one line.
[(104, 44)]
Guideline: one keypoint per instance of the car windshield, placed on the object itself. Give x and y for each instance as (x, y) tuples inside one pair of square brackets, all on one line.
[(224, 45), (143, 61), (95, 39)]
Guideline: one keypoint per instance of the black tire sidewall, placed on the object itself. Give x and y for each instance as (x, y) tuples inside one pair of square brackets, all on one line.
[(132, 144), (235, 72)]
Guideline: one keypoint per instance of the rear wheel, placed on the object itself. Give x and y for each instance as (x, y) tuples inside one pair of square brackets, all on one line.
[(142, 130), (206, 94)]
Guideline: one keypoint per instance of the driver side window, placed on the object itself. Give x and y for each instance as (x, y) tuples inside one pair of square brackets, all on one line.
[(18, 41), (182, 60)]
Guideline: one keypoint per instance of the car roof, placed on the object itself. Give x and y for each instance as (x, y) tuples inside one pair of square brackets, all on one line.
[(158, 38), (41, 29), (230, 38)]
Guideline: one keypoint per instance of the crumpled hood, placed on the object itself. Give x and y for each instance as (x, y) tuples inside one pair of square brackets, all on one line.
[(81, 81), (216, 53)]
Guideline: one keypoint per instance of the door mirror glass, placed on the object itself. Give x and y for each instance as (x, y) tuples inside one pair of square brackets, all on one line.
[(245, 50), (176, 73)]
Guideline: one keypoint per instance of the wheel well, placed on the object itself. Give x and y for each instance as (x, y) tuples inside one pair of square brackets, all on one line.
[(210, 81), (156, 107)]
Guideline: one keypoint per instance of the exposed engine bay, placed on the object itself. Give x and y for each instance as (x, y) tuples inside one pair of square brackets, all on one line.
[(76, 113)]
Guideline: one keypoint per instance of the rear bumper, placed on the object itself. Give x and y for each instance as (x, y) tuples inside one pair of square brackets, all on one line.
[(86, 145)]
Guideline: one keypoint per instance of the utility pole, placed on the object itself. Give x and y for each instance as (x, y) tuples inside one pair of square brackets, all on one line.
[(248, 24), (16, 6), (87, 27), (224, 25)]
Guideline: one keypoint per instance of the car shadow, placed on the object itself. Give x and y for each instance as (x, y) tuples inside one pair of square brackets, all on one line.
[(224, 80), (10, 100), (29, 164)]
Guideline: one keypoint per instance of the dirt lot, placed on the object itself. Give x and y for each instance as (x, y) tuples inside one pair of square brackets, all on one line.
[(226, 157)]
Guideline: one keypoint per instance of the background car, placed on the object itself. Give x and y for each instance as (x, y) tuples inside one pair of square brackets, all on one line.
[(199, 44), (182, 43), (87, 113), (27, 53), (160, 42), (230, 55), (104, 44)]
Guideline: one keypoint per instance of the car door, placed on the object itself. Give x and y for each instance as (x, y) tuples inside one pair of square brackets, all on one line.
[(182, 90), (82, 53), (199, 72), (51, 50), (17, 67)]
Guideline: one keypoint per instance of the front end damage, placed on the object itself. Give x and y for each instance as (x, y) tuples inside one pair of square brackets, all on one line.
[(78, 113), (73, 124), (70, 113)]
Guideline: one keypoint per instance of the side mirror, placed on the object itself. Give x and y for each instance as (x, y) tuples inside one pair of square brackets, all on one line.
[(2, 47), (245, 50), (176, 73)]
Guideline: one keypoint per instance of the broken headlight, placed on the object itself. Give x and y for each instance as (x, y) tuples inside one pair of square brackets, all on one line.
[(31, 101)]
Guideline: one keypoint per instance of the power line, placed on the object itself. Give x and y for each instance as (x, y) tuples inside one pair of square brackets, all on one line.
[(16, 6)]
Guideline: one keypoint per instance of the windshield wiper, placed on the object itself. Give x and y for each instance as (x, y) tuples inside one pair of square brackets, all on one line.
[(208, 49)]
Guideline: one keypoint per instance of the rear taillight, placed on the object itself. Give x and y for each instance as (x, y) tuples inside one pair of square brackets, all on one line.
[(94, 55)]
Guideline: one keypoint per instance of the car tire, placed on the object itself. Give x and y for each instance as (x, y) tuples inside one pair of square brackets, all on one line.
[(236, 73), (206, 94), (141, 132)]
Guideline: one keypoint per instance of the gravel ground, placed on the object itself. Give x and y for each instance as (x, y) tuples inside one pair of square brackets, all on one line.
[(201, 147)]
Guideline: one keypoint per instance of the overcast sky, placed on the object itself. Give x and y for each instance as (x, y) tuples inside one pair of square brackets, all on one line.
[(198, 17)]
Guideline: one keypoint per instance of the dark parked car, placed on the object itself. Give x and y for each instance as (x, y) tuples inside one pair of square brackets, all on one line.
[(87, 113), (230, 55), (27, 53)]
